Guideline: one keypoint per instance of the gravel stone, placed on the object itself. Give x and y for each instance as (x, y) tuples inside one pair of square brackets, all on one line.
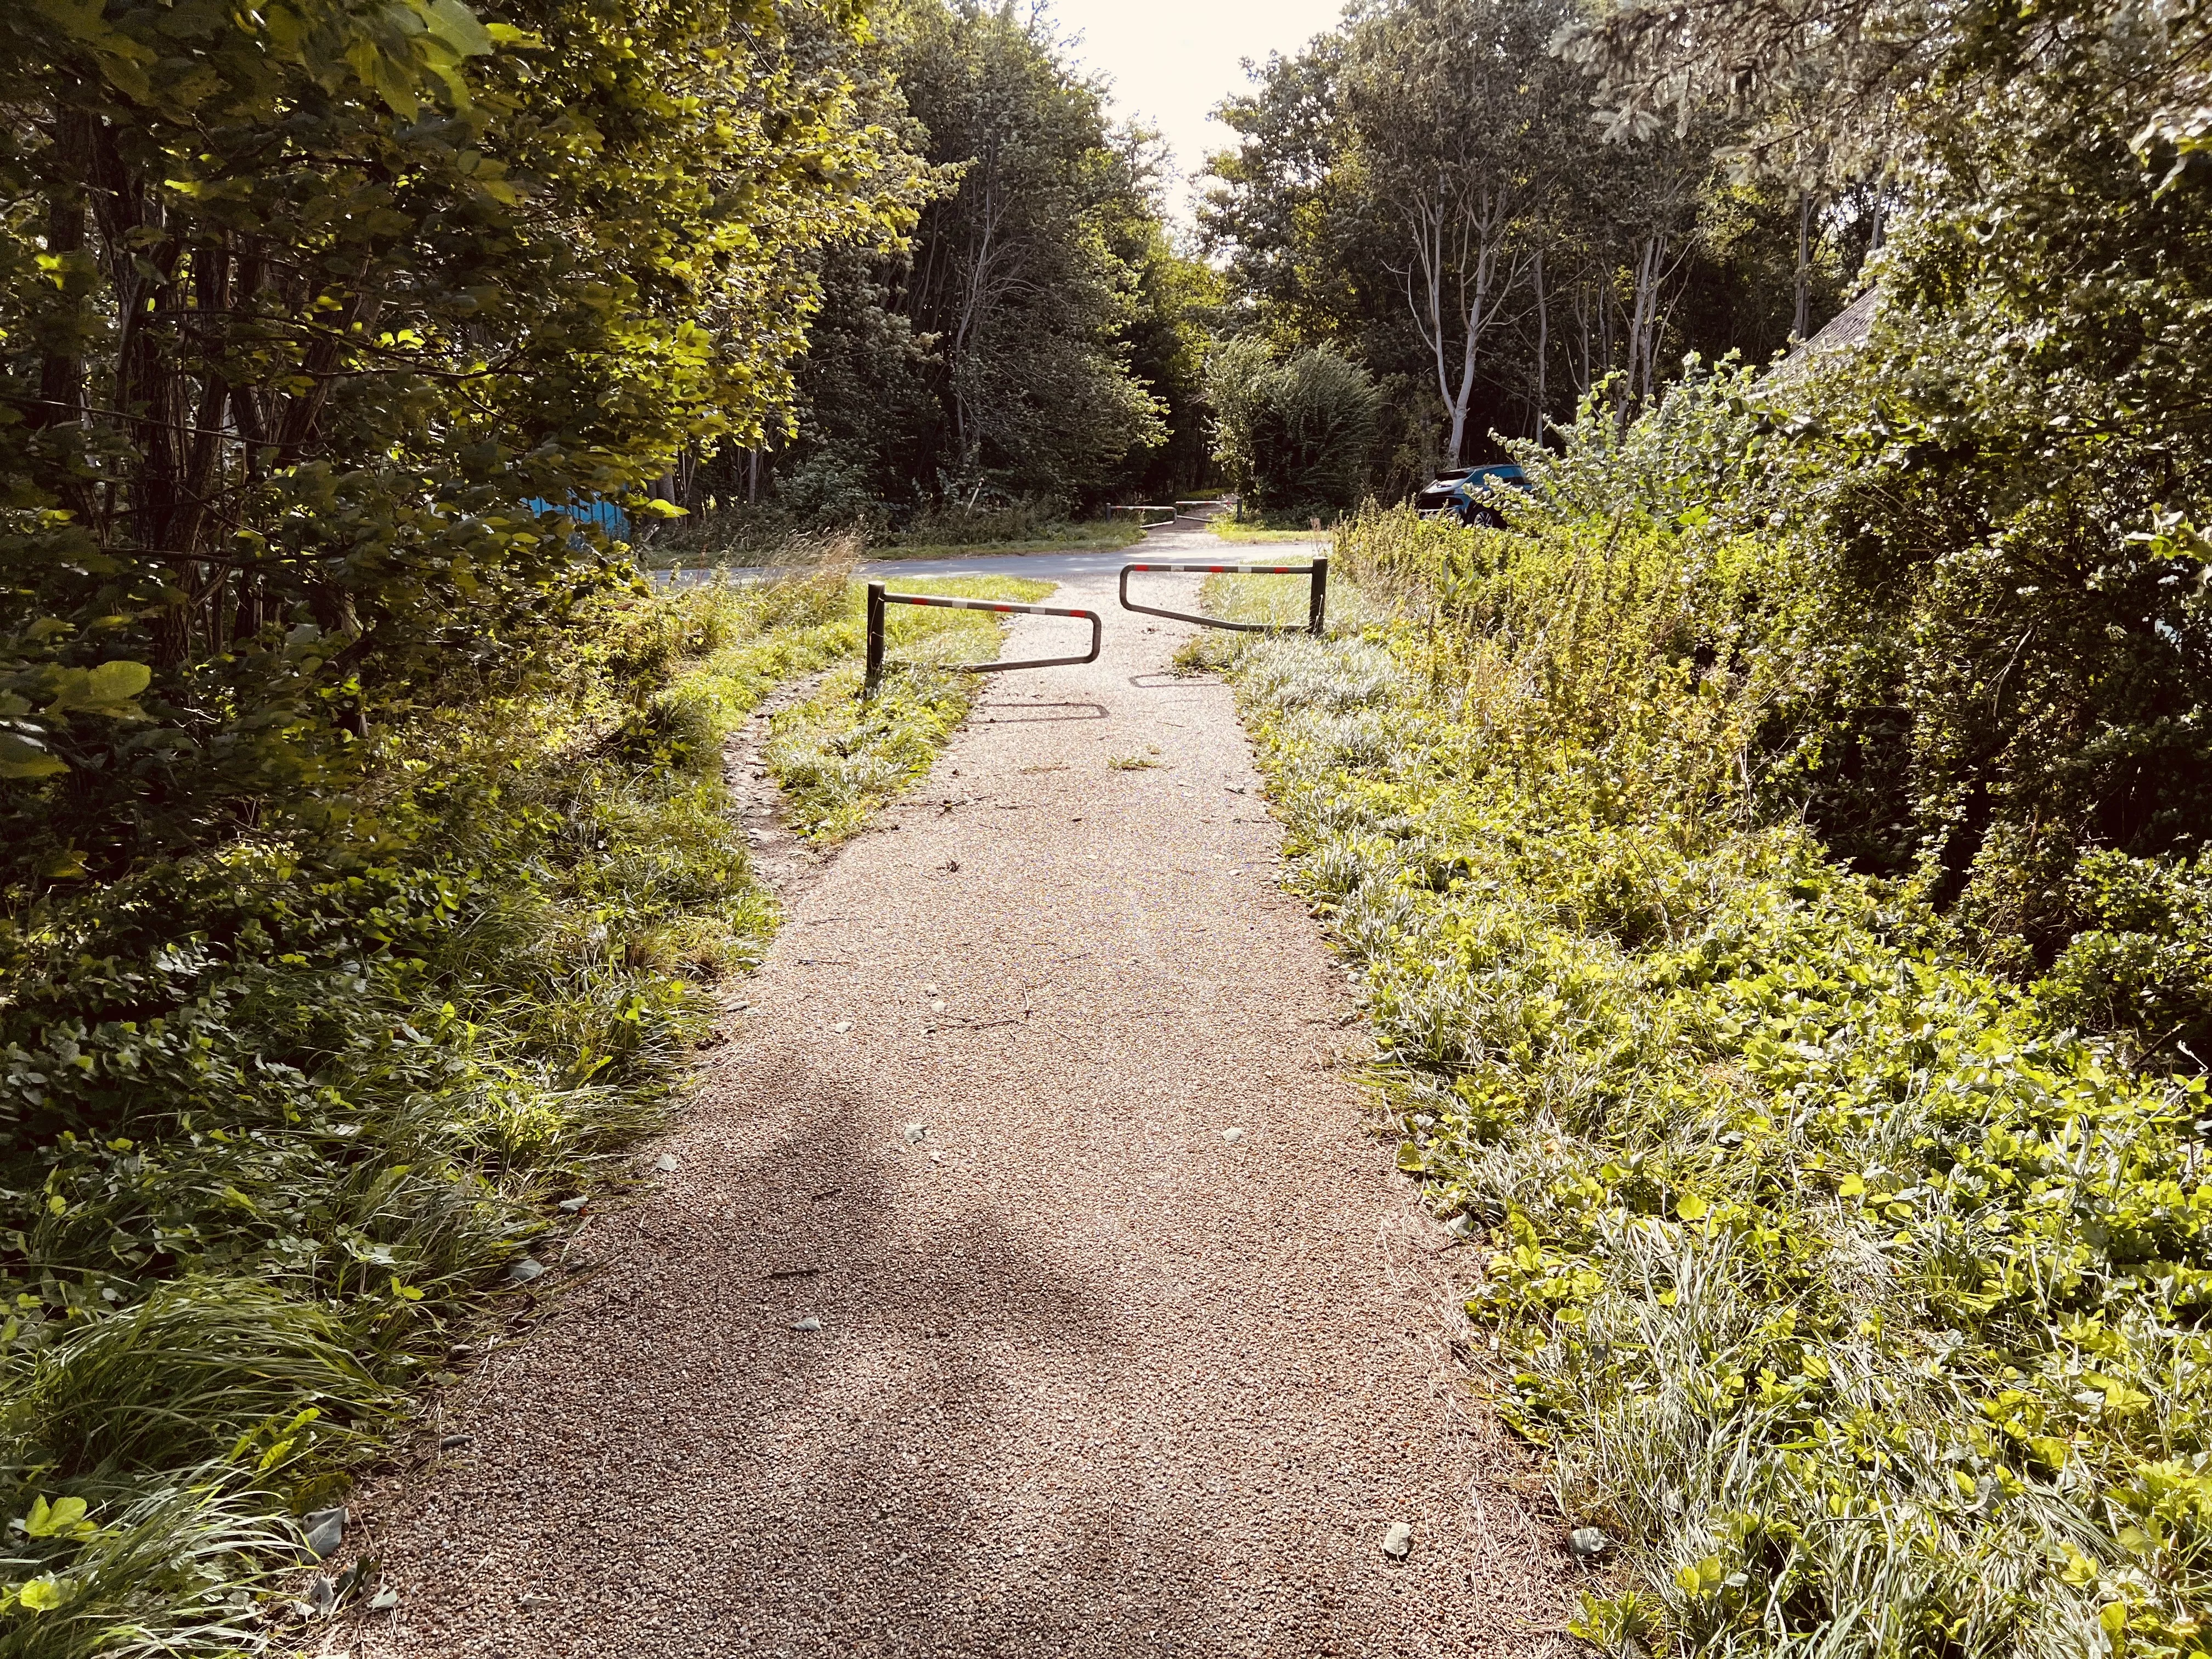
[(1197, 1388)]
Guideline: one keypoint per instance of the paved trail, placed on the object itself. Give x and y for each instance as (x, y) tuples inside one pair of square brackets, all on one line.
[(1090, 1378)]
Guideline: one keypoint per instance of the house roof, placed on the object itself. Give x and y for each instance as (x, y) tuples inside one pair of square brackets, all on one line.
[(1845, 328)]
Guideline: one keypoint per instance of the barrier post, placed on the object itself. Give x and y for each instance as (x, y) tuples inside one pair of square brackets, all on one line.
[(874, 676), (1317, 607)]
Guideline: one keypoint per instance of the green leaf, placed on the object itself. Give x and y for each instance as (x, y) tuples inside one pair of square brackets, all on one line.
[(22, 757), (457, 25), (108, 689), (1691, 1207), (43, 1594)]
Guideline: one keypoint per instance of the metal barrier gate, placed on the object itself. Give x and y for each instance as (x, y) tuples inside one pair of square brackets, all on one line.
[(878, 599), (1316, 607)]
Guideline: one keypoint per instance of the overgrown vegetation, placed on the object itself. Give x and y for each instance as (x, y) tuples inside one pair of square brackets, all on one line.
[(281, 1113), (1856, 1290), (839, 758), (1292, 436)]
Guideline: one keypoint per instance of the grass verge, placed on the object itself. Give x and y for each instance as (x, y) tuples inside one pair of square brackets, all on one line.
[(839, 759), (1857, 1302), (282, 1118), (1060, 538), (738, 539), (1234, 530)]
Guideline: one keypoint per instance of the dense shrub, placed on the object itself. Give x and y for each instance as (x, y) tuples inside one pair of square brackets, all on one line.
[(305, 318), (1294, 436), (1979, 685)]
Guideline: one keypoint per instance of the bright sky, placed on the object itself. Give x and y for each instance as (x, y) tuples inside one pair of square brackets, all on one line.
[(1171, 61)]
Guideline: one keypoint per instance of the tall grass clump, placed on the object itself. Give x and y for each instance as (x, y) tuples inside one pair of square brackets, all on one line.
[(277, 1116), (1857, 1299)]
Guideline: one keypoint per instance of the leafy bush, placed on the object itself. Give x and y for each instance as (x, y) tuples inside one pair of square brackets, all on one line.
[(1972, 683), (1855, 1299), (307, 247), (1294, 436)]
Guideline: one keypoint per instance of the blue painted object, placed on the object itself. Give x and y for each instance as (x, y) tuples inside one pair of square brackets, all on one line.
[(593, 510)]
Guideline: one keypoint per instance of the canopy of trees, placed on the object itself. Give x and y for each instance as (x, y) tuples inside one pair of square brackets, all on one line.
[(1039, 338), (1425, 188), (306, 313)]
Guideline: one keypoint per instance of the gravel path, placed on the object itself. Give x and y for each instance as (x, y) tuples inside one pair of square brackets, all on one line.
[(1027, 1282)]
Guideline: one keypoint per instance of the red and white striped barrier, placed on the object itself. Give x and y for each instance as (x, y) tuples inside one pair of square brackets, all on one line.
[(1317, 606), (878, 599)]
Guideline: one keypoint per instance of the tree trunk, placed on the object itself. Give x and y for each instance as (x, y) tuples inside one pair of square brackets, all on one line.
[(60, 374), (1543, 349), (1801, 328)]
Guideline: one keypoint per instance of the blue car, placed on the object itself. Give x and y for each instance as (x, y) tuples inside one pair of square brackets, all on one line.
[(1459, 495)]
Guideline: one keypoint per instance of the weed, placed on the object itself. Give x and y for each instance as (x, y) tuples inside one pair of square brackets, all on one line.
[(1855, 1300), (1200, 654), (1142, 763)]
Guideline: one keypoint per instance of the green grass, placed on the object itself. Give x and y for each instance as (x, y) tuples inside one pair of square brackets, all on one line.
[(838, 759), (737, 540), (1232, 530), (1059, 538), (282, 1118), (1855, 1299)]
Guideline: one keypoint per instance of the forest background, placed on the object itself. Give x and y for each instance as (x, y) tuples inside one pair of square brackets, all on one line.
[(365, 851), (1040, 348)]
